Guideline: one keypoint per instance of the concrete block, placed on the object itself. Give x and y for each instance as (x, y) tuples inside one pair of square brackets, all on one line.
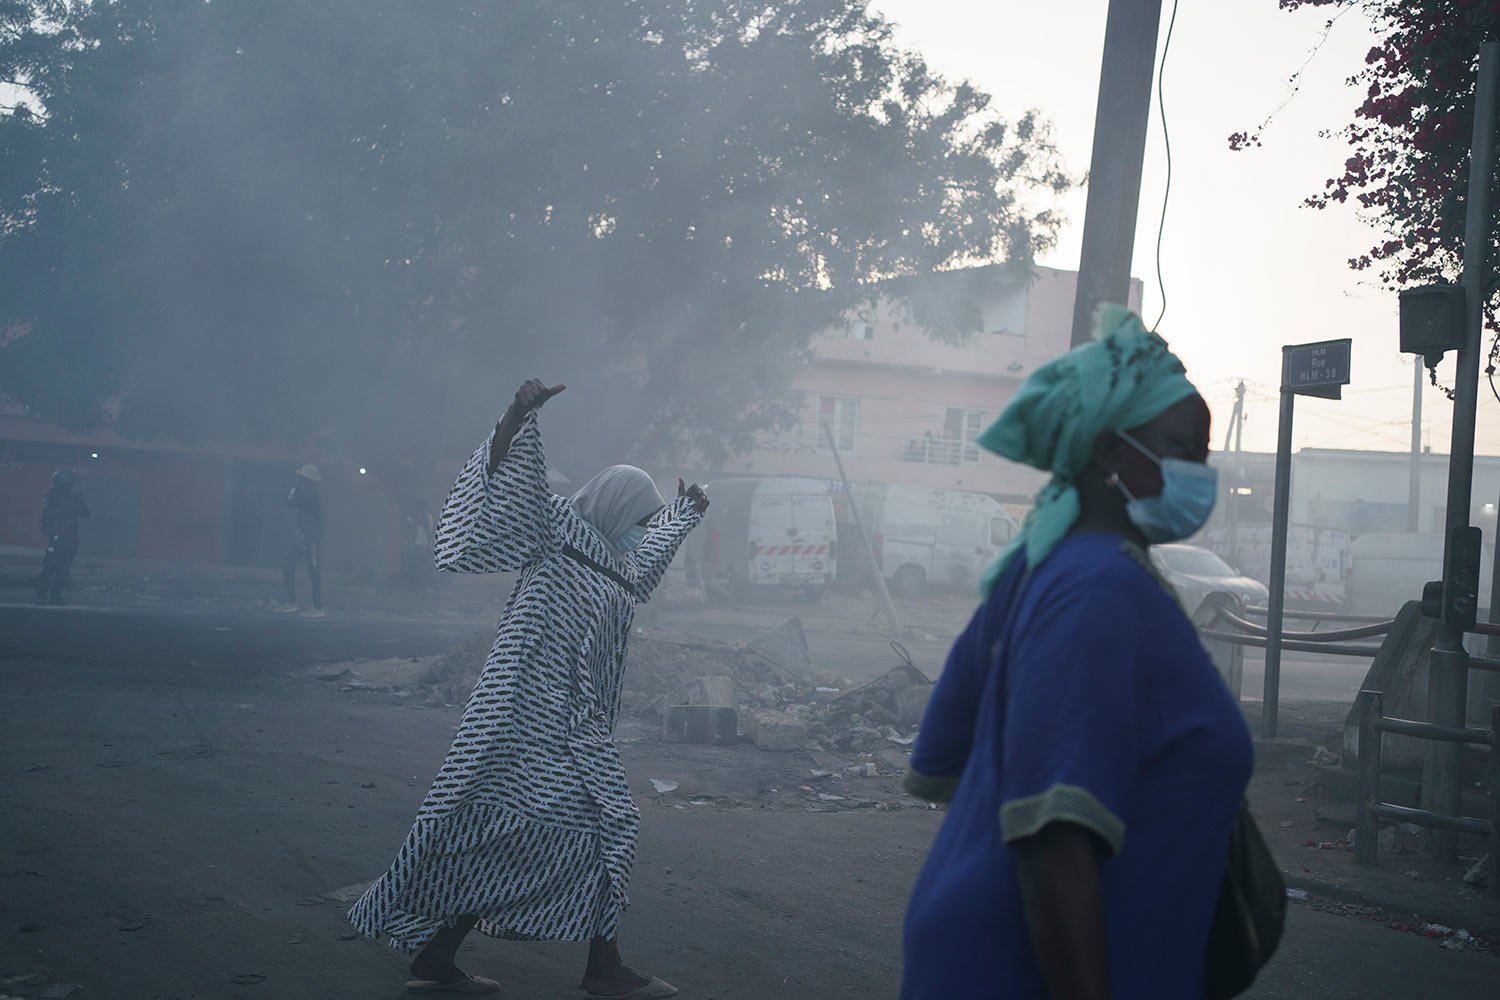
[(776, 731), (718, 691), (716, 724)]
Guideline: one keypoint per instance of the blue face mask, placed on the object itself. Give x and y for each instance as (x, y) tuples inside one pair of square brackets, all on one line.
[(630, 538), (1189, 491)]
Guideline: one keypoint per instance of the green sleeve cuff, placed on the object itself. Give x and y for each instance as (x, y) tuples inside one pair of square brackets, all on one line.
[(1022, 818), (931, 787)]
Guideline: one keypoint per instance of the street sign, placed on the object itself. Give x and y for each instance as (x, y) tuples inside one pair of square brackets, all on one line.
[(1320, 369)]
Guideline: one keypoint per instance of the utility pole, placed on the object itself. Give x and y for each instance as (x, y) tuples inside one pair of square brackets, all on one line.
[(1448, 675), (1237, 470), (1114, 196), (859, 525), (1414, 496)]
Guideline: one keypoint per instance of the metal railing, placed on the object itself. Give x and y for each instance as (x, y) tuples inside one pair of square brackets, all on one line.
[(1335, 642), (1369, 810)]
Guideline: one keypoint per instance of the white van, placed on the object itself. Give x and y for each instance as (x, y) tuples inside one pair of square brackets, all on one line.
[(928, 537), (768, 532)]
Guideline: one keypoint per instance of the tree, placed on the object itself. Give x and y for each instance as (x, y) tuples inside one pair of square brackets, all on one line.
[(1409, 141), (359, 223)]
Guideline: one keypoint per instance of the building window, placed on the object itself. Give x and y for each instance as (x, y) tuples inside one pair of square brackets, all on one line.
[(958, 443), (841, 414), (1006, 314), (962, 428), (859, 329)]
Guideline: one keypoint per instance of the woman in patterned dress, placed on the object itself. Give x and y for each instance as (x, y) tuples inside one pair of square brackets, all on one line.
[(528, 831)]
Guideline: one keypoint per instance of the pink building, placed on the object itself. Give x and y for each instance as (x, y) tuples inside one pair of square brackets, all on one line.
[(906, 408)]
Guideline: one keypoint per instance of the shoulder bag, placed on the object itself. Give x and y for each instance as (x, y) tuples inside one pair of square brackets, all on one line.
[(1250, 915)]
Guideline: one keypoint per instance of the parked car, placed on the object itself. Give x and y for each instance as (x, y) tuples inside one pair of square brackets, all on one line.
[(1201, 578), (1318, 562)]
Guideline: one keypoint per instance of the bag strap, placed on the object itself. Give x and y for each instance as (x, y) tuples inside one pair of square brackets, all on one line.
[(584, 559)]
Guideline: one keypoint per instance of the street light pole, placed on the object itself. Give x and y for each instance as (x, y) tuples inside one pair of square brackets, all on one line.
[(1280, 521), (1448, 676), (1414, 489)]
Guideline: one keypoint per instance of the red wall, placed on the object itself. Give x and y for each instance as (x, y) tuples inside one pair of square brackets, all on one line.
[(182, 507)]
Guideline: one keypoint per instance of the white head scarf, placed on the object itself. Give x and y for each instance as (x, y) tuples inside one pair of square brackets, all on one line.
[(616, 499)]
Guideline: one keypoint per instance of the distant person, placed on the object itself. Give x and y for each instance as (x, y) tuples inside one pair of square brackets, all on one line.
[(416, 548), (62, 508), (1094, 760), (528, 831), (307, 502)]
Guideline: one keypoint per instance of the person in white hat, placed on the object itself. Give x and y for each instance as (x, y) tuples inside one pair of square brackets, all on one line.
[(308, 503)]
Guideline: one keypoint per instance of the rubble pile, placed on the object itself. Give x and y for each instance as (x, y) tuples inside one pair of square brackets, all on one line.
[(656, 669), (778, 708), (764, 691), (453, 675)]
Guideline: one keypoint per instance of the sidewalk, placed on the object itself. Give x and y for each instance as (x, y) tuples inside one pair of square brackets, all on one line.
[(1404, 892)]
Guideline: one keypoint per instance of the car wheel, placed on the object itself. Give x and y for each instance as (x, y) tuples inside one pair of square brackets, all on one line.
[(909, 581)]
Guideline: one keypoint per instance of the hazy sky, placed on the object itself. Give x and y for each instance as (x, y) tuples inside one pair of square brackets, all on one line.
[(1246, 268)]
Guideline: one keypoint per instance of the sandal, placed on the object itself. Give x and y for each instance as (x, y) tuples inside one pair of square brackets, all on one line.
[(467, 986)]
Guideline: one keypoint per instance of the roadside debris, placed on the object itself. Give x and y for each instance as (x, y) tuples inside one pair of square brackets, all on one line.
[(765, 692), (897, 697), (715, 724), (772, 730), (346, 894), (785, 646), (702, 711), (663, 787), (1403, 838), (1323, 757)]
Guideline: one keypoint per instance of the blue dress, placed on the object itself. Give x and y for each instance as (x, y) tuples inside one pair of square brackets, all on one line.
[(1078, 693)]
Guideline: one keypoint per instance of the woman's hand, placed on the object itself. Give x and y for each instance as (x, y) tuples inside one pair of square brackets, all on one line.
[(532, 394), (696, 493)]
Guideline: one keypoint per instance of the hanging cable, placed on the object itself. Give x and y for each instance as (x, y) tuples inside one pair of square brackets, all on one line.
[(1166, 138), (1494, 360)]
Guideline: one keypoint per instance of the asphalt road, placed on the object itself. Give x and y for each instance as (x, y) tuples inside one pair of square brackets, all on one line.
[(176, 793)]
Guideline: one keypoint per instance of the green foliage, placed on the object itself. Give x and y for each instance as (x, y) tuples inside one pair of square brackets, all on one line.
[(361, 223), (1408, 164)]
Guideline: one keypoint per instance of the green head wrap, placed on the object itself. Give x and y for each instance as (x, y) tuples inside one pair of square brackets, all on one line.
[(1125, 378)]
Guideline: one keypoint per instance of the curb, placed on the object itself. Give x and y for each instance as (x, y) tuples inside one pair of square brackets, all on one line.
[(1476, 915)]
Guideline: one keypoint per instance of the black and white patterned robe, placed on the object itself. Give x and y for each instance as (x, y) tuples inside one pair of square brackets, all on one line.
[(529, 823)]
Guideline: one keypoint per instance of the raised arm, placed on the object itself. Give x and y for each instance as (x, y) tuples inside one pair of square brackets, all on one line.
[(649, 562), (498, 517)]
